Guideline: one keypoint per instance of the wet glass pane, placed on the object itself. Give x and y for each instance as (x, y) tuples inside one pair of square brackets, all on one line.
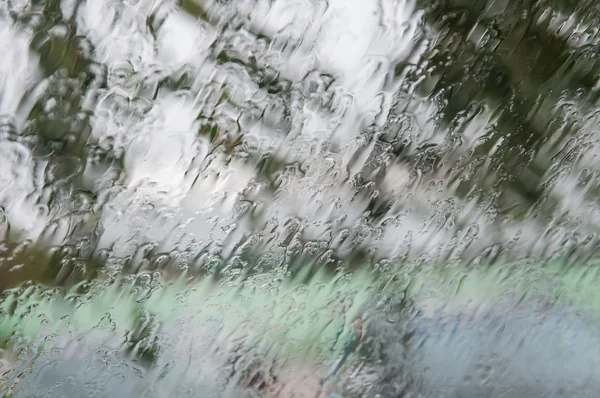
[(299, 198)]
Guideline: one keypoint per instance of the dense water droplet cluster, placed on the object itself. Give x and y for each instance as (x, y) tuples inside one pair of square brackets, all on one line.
[(269, 198)]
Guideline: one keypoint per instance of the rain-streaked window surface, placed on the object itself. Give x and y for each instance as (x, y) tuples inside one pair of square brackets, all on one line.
[(299, 198)]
